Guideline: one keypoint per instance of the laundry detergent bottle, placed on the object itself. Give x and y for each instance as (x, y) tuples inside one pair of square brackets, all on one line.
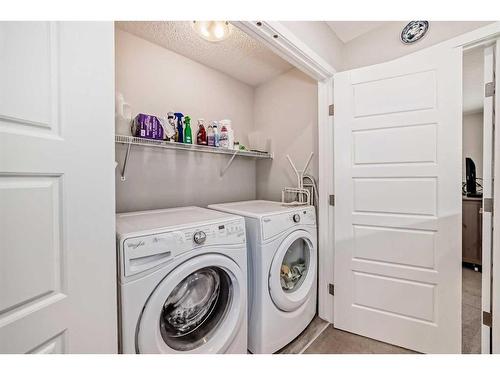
[(223, 139), (201, 136), (210, 136), (216, 134), (180, 127), (188, 138)]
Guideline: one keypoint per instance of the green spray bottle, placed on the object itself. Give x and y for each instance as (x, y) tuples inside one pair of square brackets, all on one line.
[(188, 138)]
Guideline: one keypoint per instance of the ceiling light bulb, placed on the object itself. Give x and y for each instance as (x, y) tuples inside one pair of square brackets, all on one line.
[(218, 32), (213, 31)]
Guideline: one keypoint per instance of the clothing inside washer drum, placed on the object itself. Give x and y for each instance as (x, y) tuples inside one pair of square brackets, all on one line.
[(195, 307)]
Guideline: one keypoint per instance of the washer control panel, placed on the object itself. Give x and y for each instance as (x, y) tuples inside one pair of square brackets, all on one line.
[(221, 234), (144, 252)]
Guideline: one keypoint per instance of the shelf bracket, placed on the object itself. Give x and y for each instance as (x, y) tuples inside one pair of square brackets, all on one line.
[(125, 160), (224, 170)]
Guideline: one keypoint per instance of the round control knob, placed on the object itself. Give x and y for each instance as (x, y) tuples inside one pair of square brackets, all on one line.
[(199, 237), (296, 218)]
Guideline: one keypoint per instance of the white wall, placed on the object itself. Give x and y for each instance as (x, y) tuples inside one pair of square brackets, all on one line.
[(473, 141), (383, 43), (319, 37), (155, 80), (473, 80), (286, 111), (379, 45)]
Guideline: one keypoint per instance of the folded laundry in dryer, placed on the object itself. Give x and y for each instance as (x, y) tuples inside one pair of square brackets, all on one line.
[(290, 275)]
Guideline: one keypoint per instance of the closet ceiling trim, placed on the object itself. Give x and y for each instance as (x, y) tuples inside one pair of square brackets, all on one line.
[(286, 44)]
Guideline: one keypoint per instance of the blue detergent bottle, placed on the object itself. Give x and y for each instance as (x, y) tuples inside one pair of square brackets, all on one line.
[(180, 126)]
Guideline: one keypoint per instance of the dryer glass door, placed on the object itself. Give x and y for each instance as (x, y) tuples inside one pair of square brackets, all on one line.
[(293, 271), (295, 265)]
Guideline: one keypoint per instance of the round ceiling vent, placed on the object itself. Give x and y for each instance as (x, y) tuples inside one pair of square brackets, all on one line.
[(414, 31)]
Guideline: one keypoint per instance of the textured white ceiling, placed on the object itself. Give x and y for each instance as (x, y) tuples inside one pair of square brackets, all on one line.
[(473, 80), (348, 30), (239, 56)]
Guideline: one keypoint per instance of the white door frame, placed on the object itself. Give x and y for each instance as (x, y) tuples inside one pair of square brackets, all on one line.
[(287, 45), (488, 110), (284, 43), (495, 253)]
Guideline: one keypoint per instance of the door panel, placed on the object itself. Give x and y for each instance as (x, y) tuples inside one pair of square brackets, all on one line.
[(395, 195), (57, 188), (398, 201), (409, 247), (33, 275), (419, 93), (401, 152), (401, 297)]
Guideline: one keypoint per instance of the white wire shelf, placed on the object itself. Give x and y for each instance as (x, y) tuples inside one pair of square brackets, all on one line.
[(125, 139), (144, 142)]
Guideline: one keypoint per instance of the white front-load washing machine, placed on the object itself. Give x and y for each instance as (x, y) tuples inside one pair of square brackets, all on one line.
[(282, 271), (182, 281)]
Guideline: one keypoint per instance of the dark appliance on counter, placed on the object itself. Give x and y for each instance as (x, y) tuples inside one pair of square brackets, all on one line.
[(470, 178)]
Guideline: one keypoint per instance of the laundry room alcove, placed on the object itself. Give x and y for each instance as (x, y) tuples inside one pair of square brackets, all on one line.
[(165, 66)]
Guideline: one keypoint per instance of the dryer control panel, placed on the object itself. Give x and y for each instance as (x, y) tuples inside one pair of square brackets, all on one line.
[(275, 224), (141, 253)]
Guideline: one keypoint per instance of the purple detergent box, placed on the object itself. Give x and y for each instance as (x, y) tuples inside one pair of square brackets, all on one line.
[(147, 126)]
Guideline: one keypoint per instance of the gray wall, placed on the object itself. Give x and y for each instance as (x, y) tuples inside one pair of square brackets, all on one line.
[(286, 111), (159, 178), (155, 80), (472, 145)]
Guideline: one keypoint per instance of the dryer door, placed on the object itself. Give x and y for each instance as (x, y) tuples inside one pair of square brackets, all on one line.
[(293, 271), (197, 308)]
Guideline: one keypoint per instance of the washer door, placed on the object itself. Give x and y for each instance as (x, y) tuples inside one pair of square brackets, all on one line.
[(197, 308), (293, 271)]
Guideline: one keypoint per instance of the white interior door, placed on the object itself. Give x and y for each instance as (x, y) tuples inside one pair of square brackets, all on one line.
[(397, 142), (489, 62), (57, 247)]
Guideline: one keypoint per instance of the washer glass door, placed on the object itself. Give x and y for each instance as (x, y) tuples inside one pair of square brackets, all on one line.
[(195, 307), (198, 307), (293, 271)]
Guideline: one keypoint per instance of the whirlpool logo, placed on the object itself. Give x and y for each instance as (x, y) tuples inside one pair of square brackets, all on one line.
[(135, 245)]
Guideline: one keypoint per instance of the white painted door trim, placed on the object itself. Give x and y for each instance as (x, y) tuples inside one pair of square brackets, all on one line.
[(495, 331), (325, 211), (287, 45), (487, 194)]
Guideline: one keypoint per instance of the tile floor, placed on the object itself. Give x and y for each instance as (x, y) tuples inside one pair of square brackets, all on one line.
[(321, 338), (471, 311)]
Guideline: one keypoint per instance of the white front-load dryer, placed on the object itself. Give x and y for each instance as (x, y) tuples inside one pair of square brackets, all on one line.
[(282, 250), (182, 281)]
